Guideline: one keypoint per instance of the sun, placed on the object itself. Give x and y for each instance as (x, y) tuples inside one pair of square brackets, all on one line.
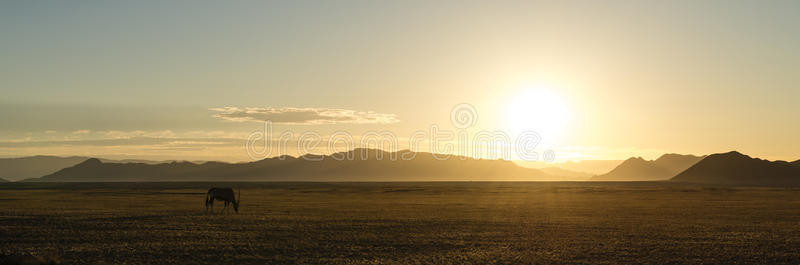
[(540, 110)]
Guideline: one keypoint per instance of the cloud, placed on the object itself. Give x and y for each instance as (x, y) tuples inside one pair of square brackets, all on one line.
[(132, 141), (141, 138), (303, 116), (137, 133)]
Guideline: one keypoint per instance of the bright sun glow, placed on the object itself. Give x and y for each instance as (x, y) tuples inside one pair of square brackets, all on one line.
[(539, 110)]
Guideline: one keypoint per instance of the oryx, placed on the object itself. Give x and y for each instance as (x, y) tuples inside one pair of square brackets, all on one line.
[(222, 194)]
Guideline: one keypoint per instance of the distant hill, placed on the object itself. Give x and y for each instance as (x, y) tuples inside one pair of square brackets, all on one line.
[(3, 180), (734, 168), (796, 163), (592, 167), (14, 169), (423, 167), (566, 174), (638, 169)]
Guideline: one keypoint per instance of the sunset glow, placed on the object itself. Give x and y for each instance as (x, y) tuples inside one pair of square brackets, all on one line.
[(541, 110)]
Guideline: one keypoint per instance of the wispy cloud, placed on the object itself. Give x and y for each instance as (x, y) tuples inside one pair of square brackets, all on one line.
[(132, 141), (165, 144), (137, 133), (303, 116)]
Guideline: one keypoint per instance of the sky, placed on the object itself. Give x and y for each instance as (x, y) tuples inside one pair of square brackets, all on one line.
[(594, 80)]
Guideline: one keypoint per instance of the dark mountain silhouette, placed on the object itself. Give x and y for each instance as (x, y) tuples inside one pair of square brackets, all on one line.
[(14, 169), (365, 165), (734, 168), (796, 163), (638, 169), (3, 180)]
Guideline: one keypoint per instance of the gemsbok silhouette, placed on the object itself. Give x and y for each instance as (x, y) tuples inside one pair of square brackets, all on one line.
[(222, 194)]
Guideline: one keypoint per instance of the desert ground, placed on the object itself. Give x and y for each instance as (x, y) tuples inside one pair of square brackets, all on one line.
[(401, 223)]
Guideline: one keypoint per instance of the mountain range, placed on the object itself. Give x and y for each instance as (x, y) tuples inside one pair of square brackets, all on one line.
[(355, 165), (732, 168), (735, 168), (639, 169), (14, 169)]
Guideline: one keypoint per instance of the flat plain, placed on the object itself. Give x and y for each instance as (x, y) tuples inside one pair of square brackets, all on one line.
[(401, 223)]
